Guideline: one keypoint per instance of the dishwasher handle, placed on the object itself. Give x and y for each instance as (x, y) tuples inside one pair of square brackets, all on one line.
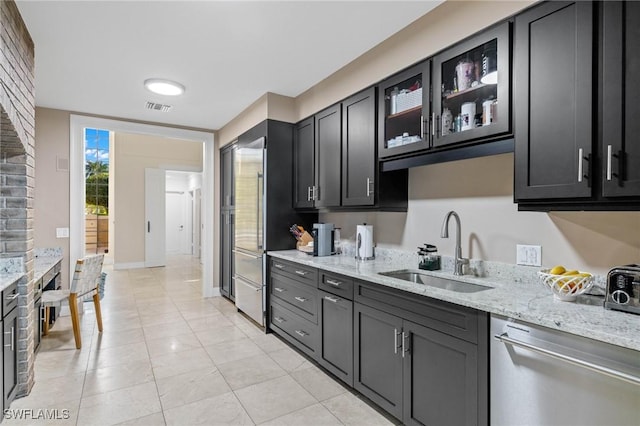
[(504, 338)]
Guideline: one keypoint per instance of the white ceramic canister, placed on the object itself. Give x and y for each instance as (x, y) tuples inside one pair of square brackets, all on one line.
[(487, 118), (468, 112)]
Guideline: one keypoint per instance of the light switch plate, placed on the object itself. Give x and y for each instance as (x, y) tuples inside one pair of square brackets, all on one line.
[(528, 255), (62, 232)]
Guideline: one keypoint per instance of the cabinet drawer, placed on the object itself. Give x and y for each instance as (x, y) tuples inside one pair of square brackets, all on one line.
[(336, 284), (302, 333), (298, 297), (301, 273), (451, 319), (9, 298)]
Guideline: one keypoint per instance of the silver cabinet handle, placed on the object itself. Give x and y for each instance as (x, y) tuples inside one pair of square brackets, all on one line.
[(369, 190), (331, 299), (301, 333), (580, 165), (433, 125), (300, 299), (504, 338), (279, 266), (303, 273), (422, 127), (12, 344), (278, 289), (334, 283), (404, 350), (12, 297), (279, 320), (316, 190), (396, 333), (609, 155)]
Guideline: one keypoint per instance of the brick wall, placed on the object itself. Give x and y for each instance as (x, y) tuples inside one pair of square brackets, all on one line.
[(17, 145)]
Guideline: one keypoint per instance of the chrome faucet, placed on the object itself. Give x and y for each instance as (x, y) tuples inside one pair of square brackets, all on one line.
[(444, 233)]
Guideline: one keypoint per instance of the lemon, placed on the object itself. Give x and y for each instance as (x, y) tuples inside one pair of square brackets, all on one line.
[(557, 270)]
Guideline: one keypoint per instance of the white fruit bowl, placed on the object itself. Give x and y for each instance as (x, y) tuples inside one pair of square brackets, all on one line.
[(566, 287)]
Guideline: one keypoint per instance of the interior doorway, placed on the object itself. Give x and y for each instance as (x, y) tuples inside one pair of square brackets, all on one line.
[(77, 193)]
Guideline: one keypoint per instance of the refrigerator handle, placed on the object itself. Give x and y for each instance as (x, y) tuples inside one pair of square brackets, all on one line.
[(259, 212)]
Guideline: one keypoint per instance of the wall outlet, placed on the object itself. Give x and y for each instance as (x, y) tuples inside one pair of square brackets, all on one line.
[(62, 232), (528, 255)]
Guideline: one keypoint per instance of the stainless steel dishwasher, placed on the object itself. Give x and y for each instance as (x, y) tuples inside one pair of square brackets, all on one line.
[(541, 376)]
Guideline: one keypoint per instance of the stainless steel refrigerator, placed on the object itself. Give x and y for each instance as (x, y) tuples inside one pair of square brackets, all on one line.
[(249, 240), (262, 210)]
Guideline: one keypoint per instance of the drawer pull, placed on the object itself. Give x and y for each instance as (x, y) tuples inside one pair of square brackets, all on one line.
[(12, 333), (300, 299), (303, 273), (279, 320), (279, 266), (278, 289), (334, 283), (301, 333), (331, 299), (396, 333), (12, 297)]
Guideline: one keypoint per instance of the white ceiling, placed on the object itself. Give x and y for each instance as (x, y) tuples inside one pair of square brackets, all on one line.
[(93, 56)]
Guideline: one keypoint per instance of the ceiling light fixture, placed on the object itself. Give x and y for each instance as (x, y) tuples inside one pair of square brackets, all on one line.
[(164, 87)]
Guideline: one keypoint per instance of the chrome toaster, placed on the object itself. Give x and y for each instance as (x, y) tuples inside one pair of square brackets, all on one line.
[(623, 289)]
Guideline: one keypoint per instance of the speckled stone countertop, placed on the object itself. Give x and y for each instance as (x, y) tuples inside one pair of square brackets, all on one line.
[(44, 260), (11, 270), (516, 294)]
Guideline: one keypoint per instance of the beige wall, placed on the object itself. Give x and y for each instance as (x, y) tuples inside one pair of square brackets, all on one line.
[(134, 153), (51, 200), (481, 191)]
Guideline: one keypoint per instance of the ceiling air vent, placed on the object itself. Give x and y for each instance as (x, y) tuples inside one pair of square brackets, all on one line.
[(158, 107)]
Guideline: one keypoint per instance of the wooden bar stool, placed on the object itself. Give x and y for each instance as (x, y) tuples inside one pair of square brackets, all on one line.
[(86, 279)]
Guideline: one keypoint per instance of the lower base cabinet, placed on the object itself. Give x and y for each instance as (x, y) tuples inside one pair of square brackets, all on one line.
[(378, 358), (336, 333), (419, 375), (422, 360)]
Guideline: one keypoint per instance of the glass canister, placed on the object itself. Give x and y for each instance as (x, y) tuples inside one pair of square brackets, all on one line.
[(447, 122)]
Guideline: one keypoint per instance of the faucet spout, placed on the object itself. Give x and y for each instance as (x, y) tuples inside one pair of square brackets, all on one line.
[(444, 233)]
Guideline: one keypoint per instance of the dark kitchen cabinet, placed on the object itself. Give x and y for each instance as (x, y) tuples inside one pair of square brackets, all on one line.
[(440, 378), (377, 357), (10, 343), (328, 142), (620, 168), (304, 163), (293, 305), (404, 112), (227, 223), (422, 360), (471, 89), (359, 163), (553, 92), (336, 335)]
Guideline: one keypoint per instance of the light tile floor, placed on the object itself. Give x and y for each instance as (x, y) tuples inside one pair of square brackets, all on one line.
[(169, 357)]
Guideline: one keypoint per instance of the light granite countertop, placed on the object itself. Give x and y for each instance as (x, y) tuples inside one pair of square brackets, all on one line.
[(515, 294), (9, 278), (43, 264)]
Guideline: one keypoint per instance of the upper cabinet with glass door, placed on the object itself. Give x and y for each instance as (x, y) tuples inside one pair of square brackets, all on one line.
[(403, 108), (471, 88)]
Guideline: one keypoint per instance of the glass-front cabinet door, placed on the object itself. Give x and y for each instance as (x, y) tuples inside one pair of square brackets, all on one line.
[(403, 108), (471, 88)]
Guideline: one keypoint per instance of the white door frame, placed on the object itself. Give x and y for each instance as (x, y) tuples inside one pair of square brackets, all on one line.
[(77, 124)]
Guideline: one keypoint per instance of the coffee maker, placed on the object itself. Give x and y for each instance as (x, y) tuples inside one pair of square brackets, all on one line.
[(322, 239)]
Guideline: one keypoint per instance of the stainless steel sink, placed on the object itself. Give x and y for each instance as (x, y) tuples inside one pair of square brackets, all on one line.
[(431, 281)]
